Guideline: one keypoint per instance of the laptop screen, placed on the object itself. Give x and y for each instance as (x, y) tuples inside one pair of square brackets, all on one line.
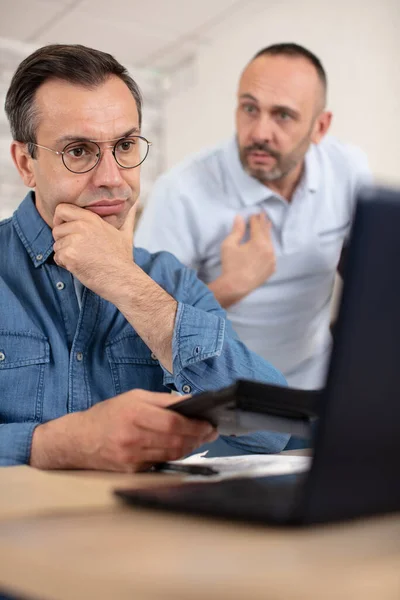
[(357, 446)]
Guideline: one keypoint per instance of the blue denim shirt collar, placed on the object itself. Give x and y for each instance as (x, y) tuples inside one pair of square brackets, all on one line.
[(33, 231)]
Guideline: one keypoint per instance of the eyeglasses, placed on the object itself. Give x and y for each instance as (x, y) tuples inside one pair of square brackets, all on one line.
[(82, 157)]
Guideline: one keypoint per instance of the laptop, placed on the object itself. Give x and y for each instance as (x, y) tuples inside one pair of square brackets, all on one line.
[(356, 467)]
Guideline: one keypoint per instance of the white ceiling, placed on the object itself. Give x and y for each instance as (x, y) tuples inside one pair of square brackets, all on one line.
[(147, 33), (158, 38)]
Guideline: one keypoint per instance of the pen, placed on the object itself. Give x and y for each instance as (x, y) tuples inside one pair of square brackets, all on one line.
[(189, 469)]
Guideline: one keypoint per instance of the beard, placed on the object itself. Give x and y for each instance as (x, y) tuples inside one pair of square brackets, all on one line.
[(284, 164)]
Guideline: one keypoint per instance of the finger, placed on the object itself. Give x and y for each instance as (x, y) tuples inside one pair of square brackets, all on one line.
[(129, 224), (65, 253), (161, 399), (169, 452), (176, 440), (66, 241), (212, 437), (64, 229), (154, 418), (214, 433), (238, 230), (58, 259), (149, 456), (265, 221), (69, 212), (140, 467), (256, 223), (179, 444), (57, 248), (266, 227), (57, 218)]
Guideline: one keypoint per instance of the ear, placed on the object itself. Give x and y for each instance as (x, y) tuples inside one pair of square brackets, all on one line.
[(321, 126), (23, 162)]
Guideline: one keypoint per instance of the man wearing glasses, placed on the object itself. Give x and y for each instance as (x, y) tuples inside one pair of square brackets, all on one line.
[(90, 334)]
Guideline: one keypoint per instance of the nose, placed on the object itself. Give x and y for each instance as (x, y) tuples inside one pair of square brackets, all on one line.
[(263, 129), (107, 172)]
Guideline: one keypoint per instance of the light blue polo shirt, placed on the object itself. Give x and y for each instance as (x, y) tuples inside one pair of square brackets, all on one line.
[(286, 320)]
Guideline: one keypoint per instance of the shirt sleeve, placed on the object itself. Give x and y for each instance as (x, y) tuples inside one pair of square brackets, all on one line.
[(207, 353), (167, 223), (15, 443)]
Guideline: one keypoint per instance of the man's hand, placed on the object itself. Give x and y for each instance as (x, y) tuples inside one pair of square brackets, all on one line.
[(126, 433), (101, 257), (245, 266), (94, 251)]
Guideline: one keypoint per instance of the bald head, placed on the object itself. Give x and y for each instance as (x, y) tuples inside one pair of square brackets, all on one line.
[(292, 50), (292, 79)]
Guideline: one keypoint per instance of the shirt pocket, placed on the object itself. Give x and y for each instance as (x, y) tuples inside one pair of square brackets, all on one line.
[(23, 358), (133, 365)]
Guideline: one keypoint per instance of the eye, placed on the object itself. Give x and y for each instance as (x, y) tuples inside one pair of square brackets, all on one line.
[(250, 109), (283, 115), (126, 145), (79, 151)]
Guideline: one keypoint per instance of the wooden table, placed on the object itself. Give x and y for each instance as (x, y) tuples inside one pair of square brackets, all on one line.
[(63, 536)]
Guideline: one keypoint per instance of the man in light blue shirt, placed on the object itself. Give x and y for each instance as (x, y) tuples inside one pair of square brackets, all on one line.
[(89, 337), (263, 217)]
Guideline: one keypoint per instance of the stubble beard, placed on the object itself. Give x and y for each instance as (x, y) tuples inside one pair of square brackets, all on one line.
[(284, 164)]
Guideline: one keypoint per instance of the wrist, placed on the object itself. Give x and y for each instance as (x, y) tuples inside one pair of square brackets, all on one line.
[(150, 310), (57, 444)]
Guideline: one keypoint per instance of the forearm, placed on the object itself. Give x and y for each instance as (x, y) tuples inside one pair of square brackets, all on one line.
[(226, 291), (150, 310), (58, 444)]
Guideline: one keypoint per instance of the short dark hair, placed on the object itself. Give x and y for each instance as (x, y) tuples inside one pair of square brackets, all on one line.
[(73, 63), (295, 50)]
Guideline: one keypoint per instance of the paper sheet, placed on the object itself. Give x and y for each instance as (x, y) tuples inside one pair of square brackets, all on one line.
[(252, 465)]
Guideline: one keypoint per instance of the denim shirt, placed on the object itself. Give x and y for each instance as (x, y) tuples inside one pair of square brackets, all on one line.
[(57, 358)]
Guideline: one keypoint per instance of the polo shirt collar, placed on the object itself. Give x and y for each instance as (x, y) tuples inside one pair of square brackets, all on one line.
[(33, 231), (251, 190)]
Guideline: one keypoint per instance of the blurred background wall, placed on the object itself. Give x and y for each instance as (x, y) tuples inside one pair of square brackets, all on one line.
[(358, 42), (187, 56)]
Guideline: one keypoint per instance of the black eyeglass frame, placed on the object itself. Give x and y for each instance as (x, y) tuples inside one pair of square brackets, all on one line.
[(99, 155)]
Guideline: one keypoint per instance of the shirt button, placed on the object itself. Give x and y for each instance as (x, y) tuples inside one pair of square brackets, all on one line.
[(39, 256), (60, 285), (2, 356), (153, 356), (79, 356), (186, 389)]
